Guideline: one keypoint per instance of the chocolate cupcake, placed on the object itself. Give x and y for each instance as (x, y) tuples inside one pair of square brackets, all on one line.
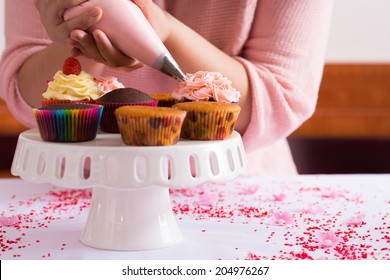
[(68, 122), (118, 98)]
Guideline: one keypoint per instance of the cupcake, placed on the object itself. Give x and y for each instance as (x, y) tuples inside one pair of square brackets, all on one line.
[(71, 85), (117, 98), (208, 120), (164, 99), (149, 126), (108, 83), (68, 122), (206, 86), (210, 102)]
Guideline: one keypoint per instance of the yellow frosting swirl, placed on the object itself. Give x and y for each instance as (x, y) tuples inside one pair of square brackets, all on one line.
[(72, 87)]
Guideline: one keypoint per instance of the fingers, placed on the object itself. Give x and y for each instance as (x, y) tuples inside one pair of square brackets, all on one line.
[(157, 17), (112, 55), (144, 6), (86, 44), (108, 51), (65, 4), (142, 3), (55, 7), (51, 13), (75, 52), (85, 20), (99, 48)]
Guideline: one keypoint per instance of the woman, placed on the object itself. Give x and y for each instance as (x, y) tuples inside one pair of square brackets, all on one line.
[(273, 51)]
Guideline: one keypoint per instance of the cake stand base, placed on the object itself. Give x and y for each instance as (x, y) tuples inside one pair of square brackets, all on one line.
[(131, 207), (130, 219)]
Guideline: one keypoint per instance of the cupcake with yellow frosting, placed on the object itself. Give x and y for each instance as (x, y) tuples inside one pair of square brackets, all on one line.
[(71, 85)]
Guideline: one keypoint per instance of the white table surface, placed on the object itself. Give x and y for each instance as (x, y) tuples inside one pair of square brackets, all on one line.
[(229, 221)]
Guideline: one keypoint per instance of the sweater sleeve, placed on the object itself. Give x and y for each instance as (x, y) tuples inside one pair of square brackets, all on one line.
[(284, 57), (24, 36)]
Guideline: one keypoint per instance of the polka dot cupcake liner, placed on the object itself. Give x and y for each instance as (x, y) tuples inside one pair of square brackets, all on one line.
[(144, 126), (208, 120)]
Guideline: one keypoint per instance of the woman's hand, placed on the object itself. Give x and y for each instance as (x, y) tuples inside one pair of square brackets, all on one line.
[(157, 17), (99, 48), (51, 13)]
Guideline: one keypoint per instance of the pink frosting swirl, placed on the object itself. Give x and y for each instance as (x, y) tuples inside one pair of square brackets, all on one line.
[(203, 86), (106, 84)]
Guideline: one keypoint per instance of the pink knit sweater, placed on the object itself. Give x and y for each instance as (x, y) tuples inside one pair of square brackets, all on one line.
[(280, 43)]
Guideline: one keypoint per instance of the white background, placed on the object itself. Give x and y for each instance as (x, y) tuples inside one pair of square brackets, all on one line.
[(360, 31)]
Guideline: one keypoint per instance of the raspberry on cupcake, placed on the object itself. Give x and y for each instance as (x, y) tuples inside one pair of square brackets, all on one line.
[(71, 85)]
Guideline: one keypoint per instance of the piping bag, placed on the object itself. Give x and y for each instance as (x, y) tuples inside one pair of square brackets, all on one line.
[(128, 29)]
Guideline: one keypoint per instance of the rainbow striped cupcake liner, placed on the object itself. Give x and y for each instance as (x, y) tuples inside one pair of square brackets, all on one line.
[(68, 122)]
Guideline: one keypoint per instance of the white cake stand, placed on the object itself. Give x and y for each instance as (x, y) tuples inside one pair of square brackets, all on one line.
[(131, 207)]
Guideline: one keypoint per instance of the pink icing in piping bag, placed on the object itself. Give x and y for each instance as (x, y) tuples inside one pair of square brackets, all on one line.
[(126, 26)]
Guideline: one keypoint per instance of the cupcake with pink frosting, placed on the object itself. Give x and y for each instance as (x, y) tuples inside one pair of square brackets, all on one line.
[(108, 83), (211, 105), (206, 86)]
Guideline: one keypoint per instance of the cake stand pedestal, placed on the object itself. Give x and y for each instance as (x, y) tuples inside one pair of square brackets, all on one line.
[(130, 207)]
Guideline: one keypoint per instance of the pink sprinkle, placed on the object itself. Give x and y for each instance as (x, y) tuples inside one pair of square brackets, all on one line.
[(9, 221), (356, 220), (281, 219), (313, 209), (330, 194), (207, 199), (252, 189), (328, 239), (279, 197)]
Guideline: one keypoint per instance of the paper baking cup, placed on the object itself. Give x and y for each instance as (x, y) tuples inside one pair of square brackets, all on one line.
[(68, 122), (199, 125), (108, 122), (164, 99), (158, 130), (47, 102)]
